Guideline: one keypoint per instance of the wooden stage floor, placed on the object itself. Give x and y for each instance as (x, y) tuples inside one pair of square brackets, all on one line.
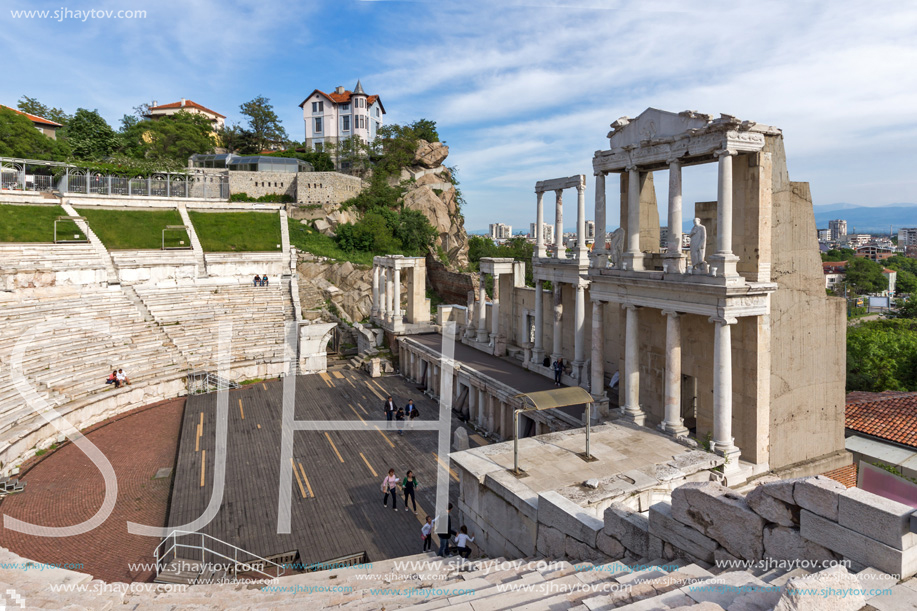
[(337, 500)]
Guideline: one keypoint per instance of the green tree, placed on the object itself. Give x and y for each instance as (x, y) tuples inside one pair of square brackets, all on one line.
[(844, 254), (263, 122), (414, 231), (34, 107), (174, 137), (906, 282), (352, 154), (882, 355), (90, 136), (905, 309), (19, 138), (425, 129), (865, 276)]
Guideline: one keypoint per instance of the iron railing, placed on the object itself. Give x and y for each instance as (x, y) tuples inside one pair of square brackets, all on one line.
[(204, 547)]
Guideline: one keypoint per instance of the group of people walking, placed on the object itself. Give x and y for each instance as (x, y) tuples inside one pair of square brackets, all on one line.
[(393, 414), (444, 532)]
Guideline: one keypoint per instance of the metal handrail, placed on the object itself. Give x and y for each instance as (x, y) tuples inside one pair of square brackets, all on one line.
[(246, 565)]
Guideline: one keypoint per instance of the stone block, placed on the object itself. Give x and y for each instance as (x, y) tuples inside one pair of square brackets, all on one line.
[(550, 543), (857, 547), (683, 537), (771, 508), (876, 517), (722, 515), (819, 495), (580, 552), (654, 547), (732, 585), (631, 529), (784, 543), (797, 596), (568, 517), (609, 546)]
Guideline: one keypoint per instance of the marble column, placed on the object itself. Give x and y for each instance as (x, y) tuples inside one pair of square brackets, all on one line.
[(674, 260), (375, 310), (724, 260), (539, 223), (538, 350), (579, 326), (495, 311), (390, 294), (482, 311), (581, 251), (383, 294), (673, 423), (398, 315), (436, 382), (600, 257), (633, 257), (482, 406), (632, 410), (598, 348), (559, 250), (722, 389), (558, 319)]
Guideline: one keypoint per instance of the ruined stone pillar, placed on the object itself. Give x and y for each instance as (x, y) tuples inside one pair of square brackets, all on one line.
[(538, 350), (375, 309), (633, 258), (383, 294), (558, 318), (482, 312), (579, 327), (598, 348), (724, 260), (397, 315), (581, 251), (673, 423), (632, 410), (482, 407), (495, 311), (674, 260), (559, 250), (600, 257), (539, 223), (389, 296), (722, 390)]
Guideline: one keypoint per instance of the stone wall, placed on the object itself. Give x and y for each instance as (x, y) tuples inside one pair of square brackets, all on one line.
[(259, 184), (326, 187), (453, 287)]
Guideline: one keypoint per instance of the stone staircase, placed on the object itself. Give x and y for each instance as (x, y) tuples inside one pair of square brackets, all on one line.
[(424, 582), (97, 244), (196, 247)]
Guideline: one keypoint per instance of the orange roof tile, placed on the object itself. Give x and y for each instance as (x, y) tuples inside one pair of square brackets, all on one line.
[(33, 118), (845, 475), (188, 103), (890, 415), (344, 98)]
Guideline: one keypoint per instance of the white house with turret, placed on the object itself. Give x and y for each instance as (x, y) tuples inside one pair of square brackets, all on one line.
[(336, 116)]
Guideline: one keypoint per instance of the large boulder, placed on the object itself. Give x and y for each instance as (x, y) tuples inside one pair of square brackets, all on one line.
[(430, 154), (424, 200), (722, 515)]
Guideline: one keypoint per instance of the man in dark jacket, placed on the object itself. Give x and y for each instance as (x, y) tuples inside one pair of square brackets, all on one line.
[(389, 409), (446, 533)]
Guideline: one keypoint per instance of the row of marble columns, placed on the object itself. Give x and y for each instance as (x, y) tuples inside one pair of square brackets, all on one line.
[(723, 258), (723, 441), (579, 325), (387, 294), (559, 248)]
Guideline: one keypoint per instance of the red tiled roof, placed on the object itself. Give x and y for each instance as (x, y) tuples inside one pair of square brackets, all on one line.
[(33, 118), (343, 98), (890, 415), (834, 267), (845, 475), (188, 104)]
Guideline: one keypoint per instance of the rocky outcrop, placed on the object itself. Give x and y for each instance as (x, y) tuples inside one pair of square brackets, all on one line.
[(433, 193), (347, 286)]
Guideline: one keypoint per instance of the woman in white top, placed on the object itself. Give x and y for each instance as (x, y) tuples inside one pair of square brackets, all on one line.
[(461, 542), (389, 486), (427, 533)]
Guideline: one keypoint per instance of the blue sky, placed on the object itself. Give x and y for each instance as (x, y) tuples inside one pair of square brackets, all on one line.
[(521, 90)]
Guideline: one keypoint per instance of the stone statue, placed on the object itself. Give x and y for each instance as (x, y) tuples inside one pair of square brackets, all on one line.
[(616, 247), (698, 237)]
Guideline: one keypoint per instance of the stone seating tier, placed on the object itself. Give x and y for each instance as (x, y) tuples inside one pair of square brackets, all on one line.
[(493, 584)]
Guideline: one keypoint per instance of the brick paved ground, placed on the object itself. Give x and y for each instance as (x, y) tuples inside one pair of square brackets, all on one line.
[(65, 488)]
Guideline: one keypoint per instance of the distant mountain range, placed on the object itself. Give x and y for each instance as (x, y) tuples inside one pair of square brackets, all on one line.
[(868, 219), (860, 219)]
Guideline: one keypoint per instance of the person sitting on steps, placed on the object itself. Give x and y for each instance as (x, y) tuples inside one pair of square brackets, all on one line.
[(264, 280), (257, 280)]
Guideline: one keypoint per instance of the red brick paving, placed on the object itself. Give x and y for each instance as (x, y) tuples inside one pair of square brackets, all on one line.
[(65, 488)]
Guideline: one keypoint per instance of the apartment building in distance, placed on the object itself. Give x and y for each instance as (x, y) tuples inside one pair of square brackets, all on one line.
[(500, 231), (838, 229)]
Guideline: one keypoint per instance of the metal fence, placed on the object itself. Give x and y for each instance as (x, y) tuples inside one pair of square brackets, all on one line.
[(15, 176)]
